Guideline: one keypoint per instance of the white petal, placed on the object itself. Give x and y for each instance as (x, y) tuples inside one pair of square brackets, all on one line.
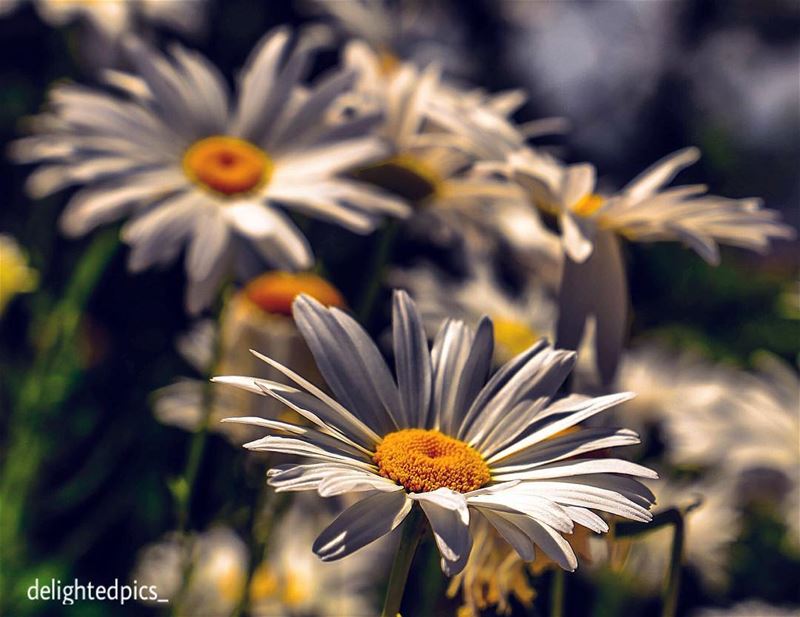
[(448, 515)]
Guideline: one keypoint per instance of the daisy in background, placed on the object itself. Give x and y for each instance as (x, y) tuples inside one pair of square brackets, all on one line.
[(753, 428), (193, 169), (519, 320), (711, 529), (412, 30), (290, 581), (447, 436), (428, 165), (593, 280), (749, 608), (257, 316), (16, 276)]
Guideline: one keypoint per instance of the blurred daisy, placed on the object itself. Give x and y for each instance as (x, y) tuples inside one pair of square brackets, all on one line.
[(258, 316), (755, 426), (292, 582), (16, 276), (519, 320), (193, 171), (445, 436), (711, 530), (593, 280), (428, 165), (410, 30), (217, 563), (749, 608), (112, 18)]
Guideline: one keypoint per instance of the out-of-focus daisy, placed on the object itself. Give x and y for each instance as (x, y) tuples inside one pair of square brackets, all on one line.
[(259, 316), (16, 276), (593, 279), (193, 169), (495, 573), (711, 528), (398, 31), (115, 17), (217, 565), (755, 426), (749, 608), (291, 581), (445, 436), (519, 320)]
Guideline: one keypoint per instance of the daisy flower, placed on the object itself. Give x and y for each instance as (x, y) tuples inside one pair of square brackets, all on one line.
[(192, 168), (711, 530), (593, 280), (115, 17), (755, 426), (257, 316), (447, 437), (16, 276)]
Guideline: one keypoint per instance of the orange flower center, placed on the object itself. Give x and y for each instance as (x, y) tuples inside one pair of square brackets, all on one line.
[(227, 165), (422, 461), (588, 205), (274, 292)]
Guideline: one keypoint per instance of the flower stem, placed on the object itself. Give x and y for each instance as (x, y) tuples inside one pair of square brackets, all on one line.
[(413, 530), (672, 584), (383, 253), (557, 593)]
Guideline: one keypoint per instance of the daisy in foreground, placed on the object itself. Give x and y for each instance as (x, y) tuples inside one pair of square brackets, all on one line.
[(192, 166), (446, 438)]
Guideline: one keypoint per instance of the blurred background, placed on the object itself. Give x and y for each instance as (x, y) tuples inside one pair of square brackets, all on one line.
[(636, 80)]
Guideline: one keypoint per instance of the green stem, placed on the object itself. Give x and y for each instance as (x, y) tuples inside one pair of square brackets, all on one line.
[(383, 254), (670, 517), (413, 530), (557, 593), (52, 378), (672, 583)]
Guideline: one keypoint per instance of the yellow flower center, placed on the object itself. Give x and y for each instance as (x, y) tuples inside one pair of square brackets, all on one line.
[(423, 460), (513, 337), (291, 589), (227, 165), (403, 175), (274, 292), (588, 205)]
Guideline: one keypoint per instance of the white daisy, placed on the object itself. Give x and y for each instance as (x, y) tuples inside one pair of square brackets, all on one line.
[(711, 529), (519, 320), (749, 608), (257, 316), (593, 279), (754, 426), (446, 436), (193, 169), (112, 18)]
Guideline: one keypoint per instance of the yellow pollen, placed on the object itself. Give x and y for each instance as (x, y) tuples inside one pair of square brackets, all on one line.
[(274, 292), (588, 205), (423, 460), (513, 337), (227, 165)]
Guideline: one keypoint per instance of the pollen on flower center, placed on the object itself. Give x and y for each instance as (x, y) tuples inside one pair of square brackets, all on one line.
[(227, 165), (588, 205), (424, 460)]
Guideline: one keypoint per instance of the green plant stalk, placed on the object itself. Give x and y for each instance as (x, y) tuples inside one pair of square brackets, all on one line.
[(557, 585), (49, 382), (675, 518), (413, 530), (383, 254)]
